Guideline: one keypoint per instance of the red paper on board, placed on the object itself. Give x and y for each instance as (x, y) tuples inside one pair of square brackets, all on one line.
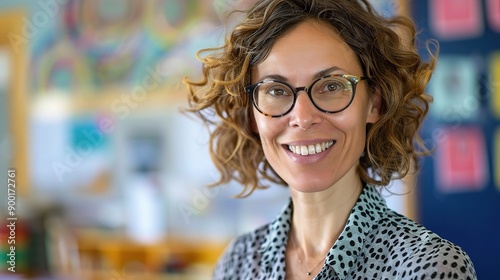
[(461, 159), (493, 11), (456, 19)]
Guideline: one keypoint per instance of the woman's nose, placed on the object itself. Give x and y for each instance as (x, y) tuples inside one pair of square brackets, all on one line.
[(304, 114)]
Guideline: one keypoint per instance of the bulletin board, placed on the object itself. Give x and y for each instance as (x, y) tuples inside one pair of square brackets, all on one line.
[(459, 185)]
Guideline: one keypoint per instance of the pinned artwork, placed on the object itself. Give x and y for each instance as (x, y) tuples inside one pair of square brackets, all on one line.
[(461, 160), (456, 19), (493, 12), (496, 158), (454, 86), (494, 87)]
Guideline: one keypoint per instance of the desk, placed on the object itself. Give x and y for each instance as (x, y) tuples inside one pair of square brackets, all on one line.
[(111, 255)]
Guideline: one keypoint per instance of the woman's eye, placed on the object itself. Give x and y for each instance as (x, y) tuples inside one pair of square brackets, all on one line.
[(277, 92), (332, 87)]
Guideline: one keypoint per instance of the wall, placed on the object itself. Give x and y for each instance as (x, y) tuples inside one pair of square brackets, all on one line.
[(459, 190)]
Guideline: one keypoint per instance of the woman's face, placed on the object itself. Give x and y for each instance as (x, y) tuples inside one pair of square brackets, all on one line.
[(298, 57)]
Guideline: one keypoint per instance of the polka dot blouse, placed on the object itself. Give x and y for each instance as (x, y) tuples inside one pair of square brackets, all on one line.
[(376, 243)]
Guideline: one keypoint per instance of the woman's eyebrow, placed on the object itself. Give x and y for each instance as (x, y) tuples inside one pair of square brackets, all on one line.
[(318, 75), (274, 77), (326, 71)]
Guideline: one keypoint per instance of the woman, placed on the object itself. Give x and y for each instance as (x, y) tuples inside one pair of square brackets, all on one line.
[(326, 98)]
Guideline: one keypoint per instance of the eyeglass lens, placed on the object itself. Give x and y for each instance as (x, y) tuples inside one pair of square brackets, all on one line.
[(331, 94)]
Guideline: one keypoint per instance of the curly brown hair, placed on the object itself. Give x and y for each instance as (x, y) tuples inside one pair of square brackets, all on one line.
[(386, 51)]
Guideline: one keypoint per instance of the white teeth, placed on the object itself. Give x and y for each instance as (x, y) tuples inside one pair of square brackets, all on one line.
[(311, 149)]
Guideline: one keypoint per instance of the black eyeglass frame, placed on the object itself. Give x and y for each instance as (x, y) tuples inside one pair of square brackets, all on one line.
[(353, 79)]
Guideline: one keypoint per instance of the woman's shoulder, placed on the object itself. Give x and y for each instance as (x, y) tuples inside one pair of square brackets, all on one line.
[(251, 253), (249, 242), (243, 253), (416, 250)]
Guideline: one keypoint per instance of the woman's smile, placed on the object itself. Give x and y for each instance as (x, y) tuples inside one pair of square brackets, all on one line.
[(310, 149)]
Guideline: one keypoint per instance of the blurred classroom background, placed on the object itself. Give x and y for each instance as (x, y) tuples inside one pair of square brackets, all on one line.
[(111, 176)]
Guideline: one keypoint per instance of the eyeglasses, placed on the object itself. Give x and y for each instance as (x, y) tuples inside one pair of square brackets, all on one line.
[(329, 94)]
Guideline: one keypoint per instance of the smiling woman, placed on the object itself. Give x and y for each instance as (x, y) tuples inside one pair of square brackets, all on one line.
[(318, 95)]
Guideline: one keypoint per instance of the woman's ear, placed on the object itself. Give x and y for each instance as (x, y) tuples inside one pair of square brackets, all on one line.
[(375, 106)]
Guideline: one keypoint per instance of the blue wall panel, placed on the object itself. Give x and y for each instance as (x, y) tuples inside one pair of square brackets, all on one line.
[(467, 217)]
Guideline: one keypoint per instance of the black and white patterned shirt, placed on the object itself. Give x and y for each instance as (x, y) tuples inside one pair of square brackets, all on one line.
[(376, 243)]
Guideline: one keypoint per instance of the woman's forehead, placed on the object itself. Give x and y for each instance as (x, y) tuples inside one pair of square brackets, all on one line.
[(308, 48)]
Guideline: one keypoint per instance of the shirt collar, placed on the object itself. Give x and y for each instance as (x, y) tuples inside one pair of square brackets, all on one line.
[(277, 238), (364, 217)]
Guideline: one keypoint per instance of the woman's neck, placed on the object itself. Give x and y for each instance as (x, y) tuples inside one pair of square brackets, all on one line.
[(319, 218)]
